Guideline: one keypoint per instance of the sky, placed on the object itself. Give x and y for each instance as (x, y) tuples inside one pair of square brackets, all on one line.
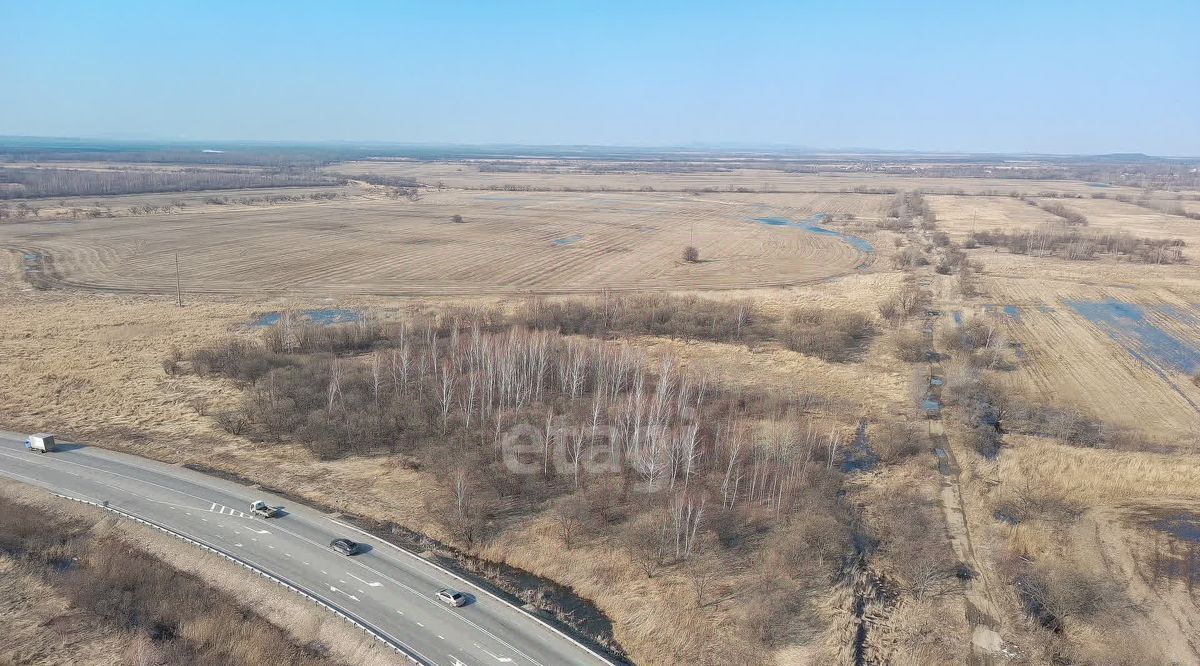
[(1055, 76)]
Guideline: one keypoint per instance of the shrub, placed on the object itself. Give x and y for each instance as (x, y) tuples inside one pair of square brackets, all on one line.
[(909, 346), (893, 441), (911, 299), (909, 257), (1076, 244), (652, 314), (200, 405), (1069, 215), (231, 421), (828, 334), (1057, 592), (691, 255)]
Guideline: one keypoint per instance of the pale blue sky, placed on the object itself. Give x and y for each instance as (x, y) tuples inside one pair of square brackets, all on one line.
[(1052, 76)]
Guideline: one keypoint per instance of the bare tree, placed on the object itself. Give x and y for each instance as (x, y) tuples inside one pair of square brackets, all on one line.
[(644, 540), (572, 516), (702, 573)]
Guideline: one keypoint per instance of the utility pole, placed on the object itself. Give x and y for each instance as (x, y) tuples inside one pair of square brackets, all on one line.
[(178, 289)]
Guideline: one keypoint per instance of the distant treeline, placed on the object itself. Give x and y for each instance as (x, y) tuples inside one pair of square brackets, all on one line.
[(32, 182), (831, 334), (1077, 244)]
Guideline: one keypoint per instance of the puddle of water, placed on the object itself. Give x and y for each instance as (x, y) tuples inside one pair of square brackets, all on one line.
[(1012, 311), (811, 226), (935, 381), (929, 404), (1045, 309), (1006, 518), (320, 317), (1127, 325), (1098, 185), (860, 457), (943, 461), (1181, 526), (957, 318), (1177, 557), (568, 240)]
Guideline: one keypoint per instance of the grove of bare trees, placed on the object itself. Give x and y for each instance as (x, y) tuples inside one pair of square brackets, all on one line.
[(675, 471)]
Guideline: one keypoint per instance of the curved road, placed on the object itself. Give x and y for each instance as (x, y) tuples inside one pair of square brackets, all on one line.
[(386, 588)]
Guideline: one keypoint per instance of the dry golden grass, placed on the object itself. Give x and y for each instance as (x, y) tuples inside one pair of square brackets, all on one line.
[(1099, 476), (41, 627), (509, 243), (598, 571)]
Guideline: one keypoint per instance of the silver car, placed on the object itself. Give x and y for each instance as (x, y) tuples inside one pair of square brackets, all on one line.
[(452, 597)]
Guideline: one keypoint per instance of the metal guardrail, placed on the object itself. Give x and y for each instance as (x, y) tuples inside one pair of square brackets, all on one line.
[(483, 589), (377, 634)]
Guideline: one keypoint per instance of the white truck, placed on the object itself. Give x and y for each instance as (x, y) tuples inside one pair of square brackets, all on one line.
[(261, 508), (42, 442)]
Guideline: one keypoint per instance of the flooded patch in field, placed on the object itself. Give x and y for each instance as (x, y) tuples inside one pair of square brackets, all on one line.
[(1189, 316), (860, 457), (566, 240), (1132, 326), (957, 314), (318, 316), (1012, 311), (1045, 309), (811, 225), (1174, 544), (1182, 526)]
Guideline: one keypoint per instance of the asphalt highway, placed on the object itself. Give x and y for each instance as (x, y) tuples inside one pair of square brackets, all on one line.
[(385, 588)]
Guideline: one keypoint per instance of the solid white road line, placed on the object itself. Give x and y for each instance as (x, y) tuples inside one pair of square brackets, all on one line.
[(369, 583)]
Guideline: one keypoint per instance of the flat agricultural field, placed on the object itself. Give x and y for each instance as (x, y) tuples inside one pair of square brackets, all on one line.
[(1117, 341), (586, 175), (509, 242)]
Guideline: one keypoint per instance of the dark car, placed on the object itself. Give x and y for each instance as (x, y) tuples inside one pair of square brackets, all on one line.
[(344, 546)]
